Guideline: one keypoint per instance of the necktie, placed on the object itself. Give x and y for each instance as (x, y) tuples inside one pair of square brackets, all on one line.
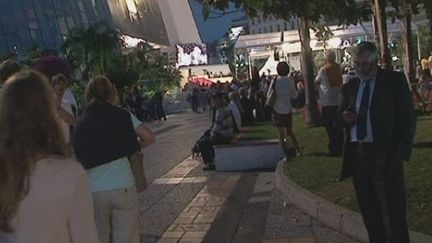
[(363, 112)]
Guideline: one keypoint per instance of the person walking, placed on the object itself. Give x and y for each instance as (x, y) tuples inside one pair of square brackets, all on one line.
[(158, 101), (377, 111), (329, 83), (194, 98), (44, 195), (103, 139), (283, 88)]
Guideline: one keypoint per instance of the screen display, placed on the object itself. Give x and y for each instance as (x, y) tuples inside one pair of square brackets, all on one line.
[(191, 54)]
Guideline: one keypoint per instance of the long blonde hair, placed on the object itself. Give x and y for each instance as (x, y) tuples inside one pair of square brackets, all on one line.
[(29, 130)]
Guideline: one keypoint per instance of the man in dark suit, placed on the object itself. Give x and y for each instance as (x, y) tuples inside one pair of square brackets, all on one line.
[(377, 111)]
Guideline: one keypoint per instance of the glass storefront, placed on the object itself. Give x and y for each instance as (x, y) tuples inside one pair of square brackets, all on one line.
[(27, 24)]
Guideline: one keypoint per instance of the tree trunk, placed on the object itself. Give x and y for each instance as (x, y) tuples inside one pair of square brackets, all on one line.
[(429, 14), (307, 64), (409, 62), (382, 29), (375, 28)]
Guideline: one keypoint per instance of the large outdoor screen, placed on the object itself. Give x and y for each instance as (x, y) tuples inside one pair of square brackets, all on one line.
[(191, 54), (139, 18)]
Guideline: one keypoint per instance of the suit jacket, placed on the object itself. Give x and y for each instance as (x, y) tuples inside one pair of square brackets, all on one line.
[(392, 118)]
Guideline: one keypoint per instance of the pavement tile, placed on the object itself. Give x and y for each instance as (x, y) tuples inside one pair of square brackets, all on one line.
[(172, 227), (277, 241), (197, 203), (185, 219), (201, 197), (161, 181), (200, 179), (194, 235), (187, 209), (208, 214), (323, 234), (190, 241), (200, 219), (302, 240), (204, 209), (216, 202), (192, 227), (175, 180), (277, 232), (165, 240), (188, 180), (175, 212), (173, 234)]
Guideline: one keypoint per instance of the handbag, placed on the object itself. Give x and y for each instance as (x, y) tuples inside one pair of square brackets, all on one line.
[(271, 95), (136, 163)]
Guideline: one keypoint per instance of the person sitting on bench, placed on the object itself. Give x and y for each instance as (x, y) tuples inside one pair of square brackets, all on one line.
[(221, 132)]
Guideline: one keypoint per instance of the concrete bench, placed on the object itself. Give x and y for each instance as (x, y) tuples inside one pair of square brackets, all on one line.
[(247, 155)]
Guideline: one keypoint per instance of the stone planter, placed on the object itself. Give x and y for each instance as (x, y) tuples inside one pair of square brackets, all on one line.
[(346, 221)]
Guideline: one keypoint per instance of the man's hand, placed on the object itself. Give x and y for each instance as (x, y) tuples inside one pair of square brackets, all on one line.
[(350, 117)]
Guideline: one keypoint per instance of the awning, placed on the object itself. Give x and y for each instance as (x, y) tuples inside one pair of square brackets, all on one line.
[(201, 81), (292, 36)]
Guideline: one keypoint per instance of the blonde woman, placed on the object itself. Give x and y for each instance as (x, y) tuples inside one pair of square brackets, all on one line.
[(103, 139), (44, 196)]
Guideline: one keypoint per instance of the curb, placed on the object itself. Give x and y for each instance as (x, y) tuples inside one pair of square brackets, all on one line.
[(341, 219)]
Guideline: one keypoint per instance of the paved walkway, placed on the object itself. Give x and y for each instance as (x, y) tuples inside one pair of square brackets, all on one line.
[(185, 204)]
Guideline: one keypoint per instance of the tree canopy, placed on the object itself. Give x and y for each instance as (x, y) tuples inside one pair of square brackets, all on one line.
[(343, 11)]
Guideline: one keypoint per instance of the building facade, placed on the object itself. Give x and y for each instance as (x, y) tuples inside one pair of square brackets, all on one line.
[(27, 24), (270, 24)]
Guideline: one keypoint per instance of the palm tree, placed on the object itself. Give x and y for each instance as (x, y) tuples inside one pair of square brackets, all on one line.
[(90, 48), (122, 71)]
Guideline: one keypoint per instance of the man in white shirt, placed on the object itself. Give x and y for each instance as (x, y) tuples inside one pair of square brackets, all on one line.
[(329, 82)]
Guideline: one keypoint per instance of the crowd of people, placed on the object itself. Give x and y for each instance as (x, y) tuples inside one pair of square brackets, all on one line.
[(243, 103), (423, 86), (369, 119), (95, 199), (144, 107), (90, 201)]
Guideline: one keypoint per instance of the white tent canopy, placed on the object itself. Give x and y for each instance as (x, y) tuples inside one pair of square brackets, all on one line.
[(291, 38)]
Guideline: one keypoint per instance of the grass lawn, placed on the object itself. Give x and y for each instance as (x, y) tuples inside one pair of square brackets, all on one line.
[(318, 173), (262, 130)]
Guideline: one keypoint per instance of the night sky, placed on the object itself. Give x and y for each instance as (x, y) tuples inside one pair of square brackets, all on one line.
[(212, 29)]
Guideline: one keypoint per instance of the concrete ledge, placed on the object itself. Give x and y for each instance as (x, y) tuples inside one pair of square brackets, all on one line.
[(334, 216), (247, 143), (247, 155)]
